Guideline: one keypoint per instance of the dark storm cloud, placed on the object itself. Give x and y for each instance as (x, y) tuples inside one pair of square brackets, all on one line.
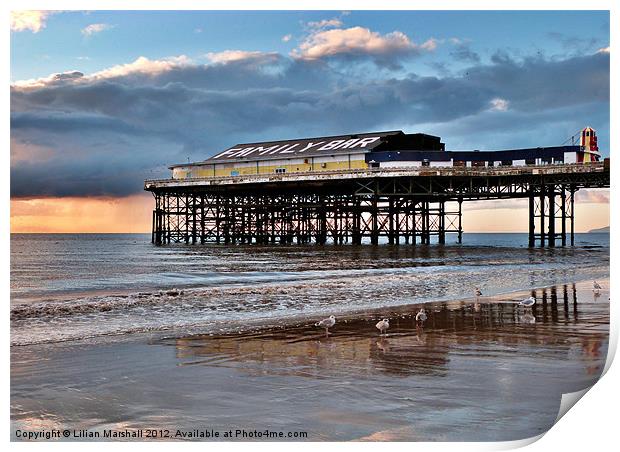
[(575, 44), (107, 133), (463, 52)]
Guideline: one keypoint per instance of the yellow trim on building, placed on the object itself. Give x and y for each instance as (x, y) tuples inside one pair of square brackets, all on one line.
[(264, 167)]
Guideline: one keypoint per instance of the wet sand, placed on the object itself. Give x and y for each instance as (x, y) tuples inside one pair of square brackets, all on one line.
[(475, 371)]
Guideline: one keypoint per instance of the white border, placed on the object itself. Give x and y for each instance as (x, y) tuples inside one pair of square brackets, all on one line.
[(589, 426)]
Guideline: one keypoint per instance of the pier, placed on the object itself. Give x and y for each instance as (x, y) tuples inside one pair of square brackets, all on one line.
[(404, 205)]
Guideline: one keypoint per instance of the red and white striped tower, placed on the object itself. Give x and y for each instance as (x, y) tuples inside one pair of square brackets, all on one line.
[(589, 147)]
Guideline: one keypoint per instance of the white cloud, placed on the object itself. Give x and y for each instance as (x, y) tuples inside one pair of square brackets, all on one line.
[(230, 56), (95, 28), (499, 104), (429, 45), (325, 23), (357, 40), (144, 66), (592, 196), (287, 38), (603, 50), (148, 67), (34, 21)]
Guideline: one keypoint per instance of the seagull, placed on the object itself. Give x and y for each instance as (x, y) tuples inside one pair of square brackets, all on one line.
[(596, 286), (478, 292), (421, 316), (383, 325), (327, 323), (528, 302)]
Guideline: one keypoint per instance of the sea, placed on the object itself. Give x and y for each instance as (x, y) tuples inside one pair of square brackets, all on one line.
[(69, 287)]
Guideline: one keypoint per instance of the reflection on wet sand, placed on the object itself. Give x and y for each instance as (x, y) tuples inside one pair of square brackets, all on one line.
[(355, 347), (465, 374)]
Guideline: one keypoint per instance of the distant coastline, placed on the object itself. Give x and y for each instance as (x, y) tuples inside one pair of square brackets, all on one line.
[(604, 230)]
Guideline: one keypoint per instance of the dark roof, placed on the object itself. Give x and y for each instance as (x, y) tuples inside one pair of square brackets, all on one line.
[(514, 154), (470, 156), (304, 147)]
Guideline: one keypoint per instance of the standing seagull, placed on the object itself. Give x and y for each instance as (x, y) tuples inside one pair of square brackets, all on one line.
[(383, 325), (478, 292), (421, 317), (528, 302), (596, 286), (327, 323)]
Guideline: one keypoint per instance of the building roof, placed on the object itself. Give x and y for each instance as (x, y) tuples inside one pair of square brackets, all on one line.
[(323, 146), (514, 154), (303, 147)]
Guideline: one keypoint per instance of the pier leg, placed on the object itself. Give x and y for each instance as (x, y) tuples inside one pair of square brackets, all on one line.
[(460, 231), (563, 212), (542, 216), (532, 223), (551, 236), (194, 213), (572, 216), (442, 223), (153, 228), (374, 238), (391, 221)]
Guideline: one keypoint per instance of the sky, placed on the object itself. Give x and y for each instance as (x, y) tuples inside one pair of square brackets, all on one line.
[(102, 100)]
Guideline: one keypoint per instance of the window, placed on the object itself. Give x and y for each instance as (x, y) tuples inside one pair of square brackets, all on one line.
[(506, 162), (478, 163), (458, 163), (530, 161), (490, 163), (426, 162), (374, 164), (280, 170)]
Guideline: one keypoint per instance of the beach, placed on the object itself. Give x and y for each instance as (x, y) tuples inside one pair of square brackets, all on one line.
[(476, 370)]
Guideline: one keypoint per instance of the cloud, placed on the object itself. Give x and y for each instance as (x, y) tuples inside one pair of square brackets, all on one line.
[(287, 38), (574, 44), (359, 42), (592, 196), (603, 50), (93, 29), (325, 23), (102, 134), (233, 56), (33, 21), (143, 66), (499, 104), (462, 52)]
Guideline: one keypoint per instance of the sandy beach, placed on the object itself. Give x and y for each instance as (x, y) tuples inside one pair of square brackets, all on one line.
[(476, 370)]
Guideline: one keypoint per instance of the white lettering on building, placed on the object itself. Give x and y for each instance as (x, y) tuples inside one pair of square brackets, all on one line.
[(294, 147), (331, 145), (227, 152), (364, 141), (263, 150), (289, 150), (347, 144), (311, 145)]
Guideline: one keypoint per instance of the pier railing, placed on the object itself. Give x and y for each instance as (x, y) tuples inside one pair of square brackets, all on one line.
[(347, 174)]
